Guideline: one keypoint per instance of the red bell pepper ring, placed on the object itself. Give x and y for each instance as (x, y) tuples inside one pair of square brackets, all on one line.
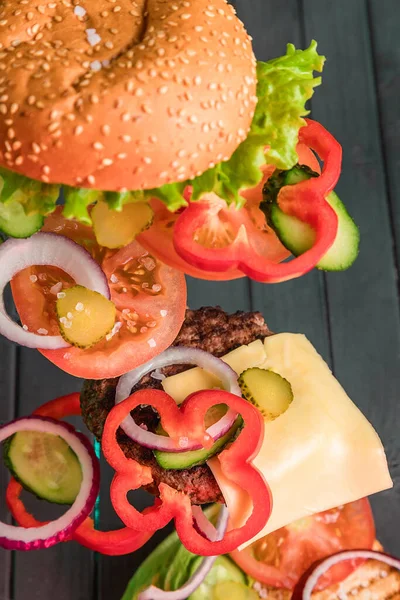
[(188, 419), (305, 201), (113, 543)]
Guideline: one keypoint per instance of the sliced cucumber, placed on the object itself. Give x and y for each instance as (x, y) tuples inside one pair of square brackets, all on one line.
[(186, 460), (15, 223), (45, 465), (298, 237), (267, 391)]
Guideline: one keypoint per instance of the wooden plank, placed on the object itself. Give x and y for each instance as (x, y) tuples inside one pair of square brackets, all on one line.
[(65, 569), (363, 302), (299, 305), (8, 375), (384, 22)]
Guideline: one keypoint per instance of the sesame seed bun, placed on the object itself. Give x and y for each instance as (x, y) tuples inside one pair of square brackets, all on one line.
[(122, 94)]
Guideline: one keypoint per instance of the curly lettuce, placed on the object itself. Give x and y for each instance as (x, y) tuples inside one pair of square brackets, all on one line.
[(285, 84)]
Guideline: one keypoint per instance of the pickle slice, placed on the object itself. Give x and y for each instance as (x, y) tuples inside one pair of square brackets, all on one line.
[(234, 591), (115, 229), (267, 391), (85, 317)]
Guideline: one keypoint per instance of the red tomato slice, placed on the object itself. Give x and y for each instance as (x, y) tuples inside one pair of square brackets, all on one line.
[(221, 228), (150, 298), (280, 558)]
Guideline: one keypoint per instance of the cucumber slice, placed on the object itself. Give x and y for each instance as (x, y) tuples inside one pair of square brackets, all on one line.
[(45, 465), (85, 317), (268, 391), (298, 237), (185, 460), (15, 223)]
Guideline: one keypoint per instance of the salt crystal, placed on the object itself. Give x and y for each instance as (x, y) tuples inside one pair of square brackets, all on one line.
[(79, 307), (95, 65), (152, 343), (61, 295), (163, 313), (156, 287), (148, 263), (125, 311), (67, 355), (42, 276), (183, 442), (79, 11), (93, 37), (42, 331), (383, 574), (106, 63), (33, 278), (70, 315), (25, 327), (57, 287), (114, 278), (67, 324), (63, 320)]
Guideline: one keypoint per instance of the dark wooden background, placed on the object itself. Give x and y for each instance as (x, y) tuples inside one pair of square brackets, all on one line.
[(352, 318)]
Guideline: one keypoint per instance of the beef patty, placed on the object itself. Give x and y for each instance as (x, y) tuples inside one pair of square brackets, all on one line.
[(210, 329)]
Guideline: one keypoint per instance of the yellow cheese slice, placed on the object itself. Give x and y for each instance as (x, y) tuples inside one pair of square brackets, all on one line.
[(183, 384), (321, 453)]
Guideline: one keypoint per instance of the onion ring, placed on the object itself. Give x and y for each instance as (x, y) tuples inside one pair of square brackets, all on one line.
[(155, 593), (52, 250), (174, 356), (308, 581), (19, 538)]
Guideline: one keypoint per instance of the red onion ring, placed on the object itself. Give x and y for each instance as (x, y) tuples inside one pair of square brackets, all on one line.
[(308, 581), (52, 250), (155, 593), (178, 355), (19, 538)]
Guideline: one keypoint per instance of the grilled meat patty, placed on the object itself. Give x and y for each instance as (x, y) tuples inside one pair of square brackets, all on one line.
[(210, 329)]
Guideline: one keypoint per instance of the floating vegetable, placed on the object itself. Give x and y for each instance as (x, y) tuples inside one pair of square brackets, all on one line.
[(115, 229), (306, 201), (270, 393), (181, 356), (85, 317), (46, 535), (188, 421), (45, 249), (115, 542)]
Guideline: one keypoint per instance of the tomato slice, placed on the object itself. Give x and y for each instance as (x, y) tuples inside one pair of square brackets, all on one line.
[(150, 298), (221, 228), (280, 558)]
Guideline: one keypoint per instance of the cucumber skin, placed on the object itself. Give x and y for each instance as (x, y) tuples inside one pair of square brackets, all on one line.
[(30, 224), (328, 262), (165, 459), (9, 465)]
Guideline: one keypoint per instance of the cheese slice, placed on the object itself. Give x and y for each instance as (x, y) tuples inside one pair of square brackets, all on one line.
[(321, 453), (183, 384)]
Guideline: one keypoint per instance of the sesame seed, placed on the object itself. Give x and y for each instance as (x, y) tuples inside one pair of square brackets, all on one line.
[(107, 162), (125, 117), (147, 160), (105, 130), (78, 130), (53, 126), (3, 109), (126, 138), (91, 179), (122, 155), (98, 146), (185, 16), (19, 160), (46, 169), (94, 99), (163, 90)]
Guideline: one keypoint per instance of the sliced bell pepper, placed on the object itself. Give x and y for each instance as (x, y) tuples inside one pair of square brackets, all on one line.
[(305, 201), (113, 543), (188, 420)]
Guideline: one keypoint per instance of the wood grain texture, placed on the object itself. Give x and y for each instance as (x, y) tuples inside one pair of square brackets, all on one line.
[(298, 305), (363, 302), (384, 23), (8, 372)]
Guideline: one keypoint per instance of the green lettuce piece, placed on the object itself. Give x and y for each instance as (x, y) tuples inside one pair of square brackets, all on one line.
[(77, 201), (284, 86), (34, 196), (170, 193)]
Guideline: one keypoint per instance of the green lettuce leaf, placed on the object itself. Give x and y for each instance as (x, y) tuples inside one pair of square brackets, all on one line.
[(284, 86), (34, 196)]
